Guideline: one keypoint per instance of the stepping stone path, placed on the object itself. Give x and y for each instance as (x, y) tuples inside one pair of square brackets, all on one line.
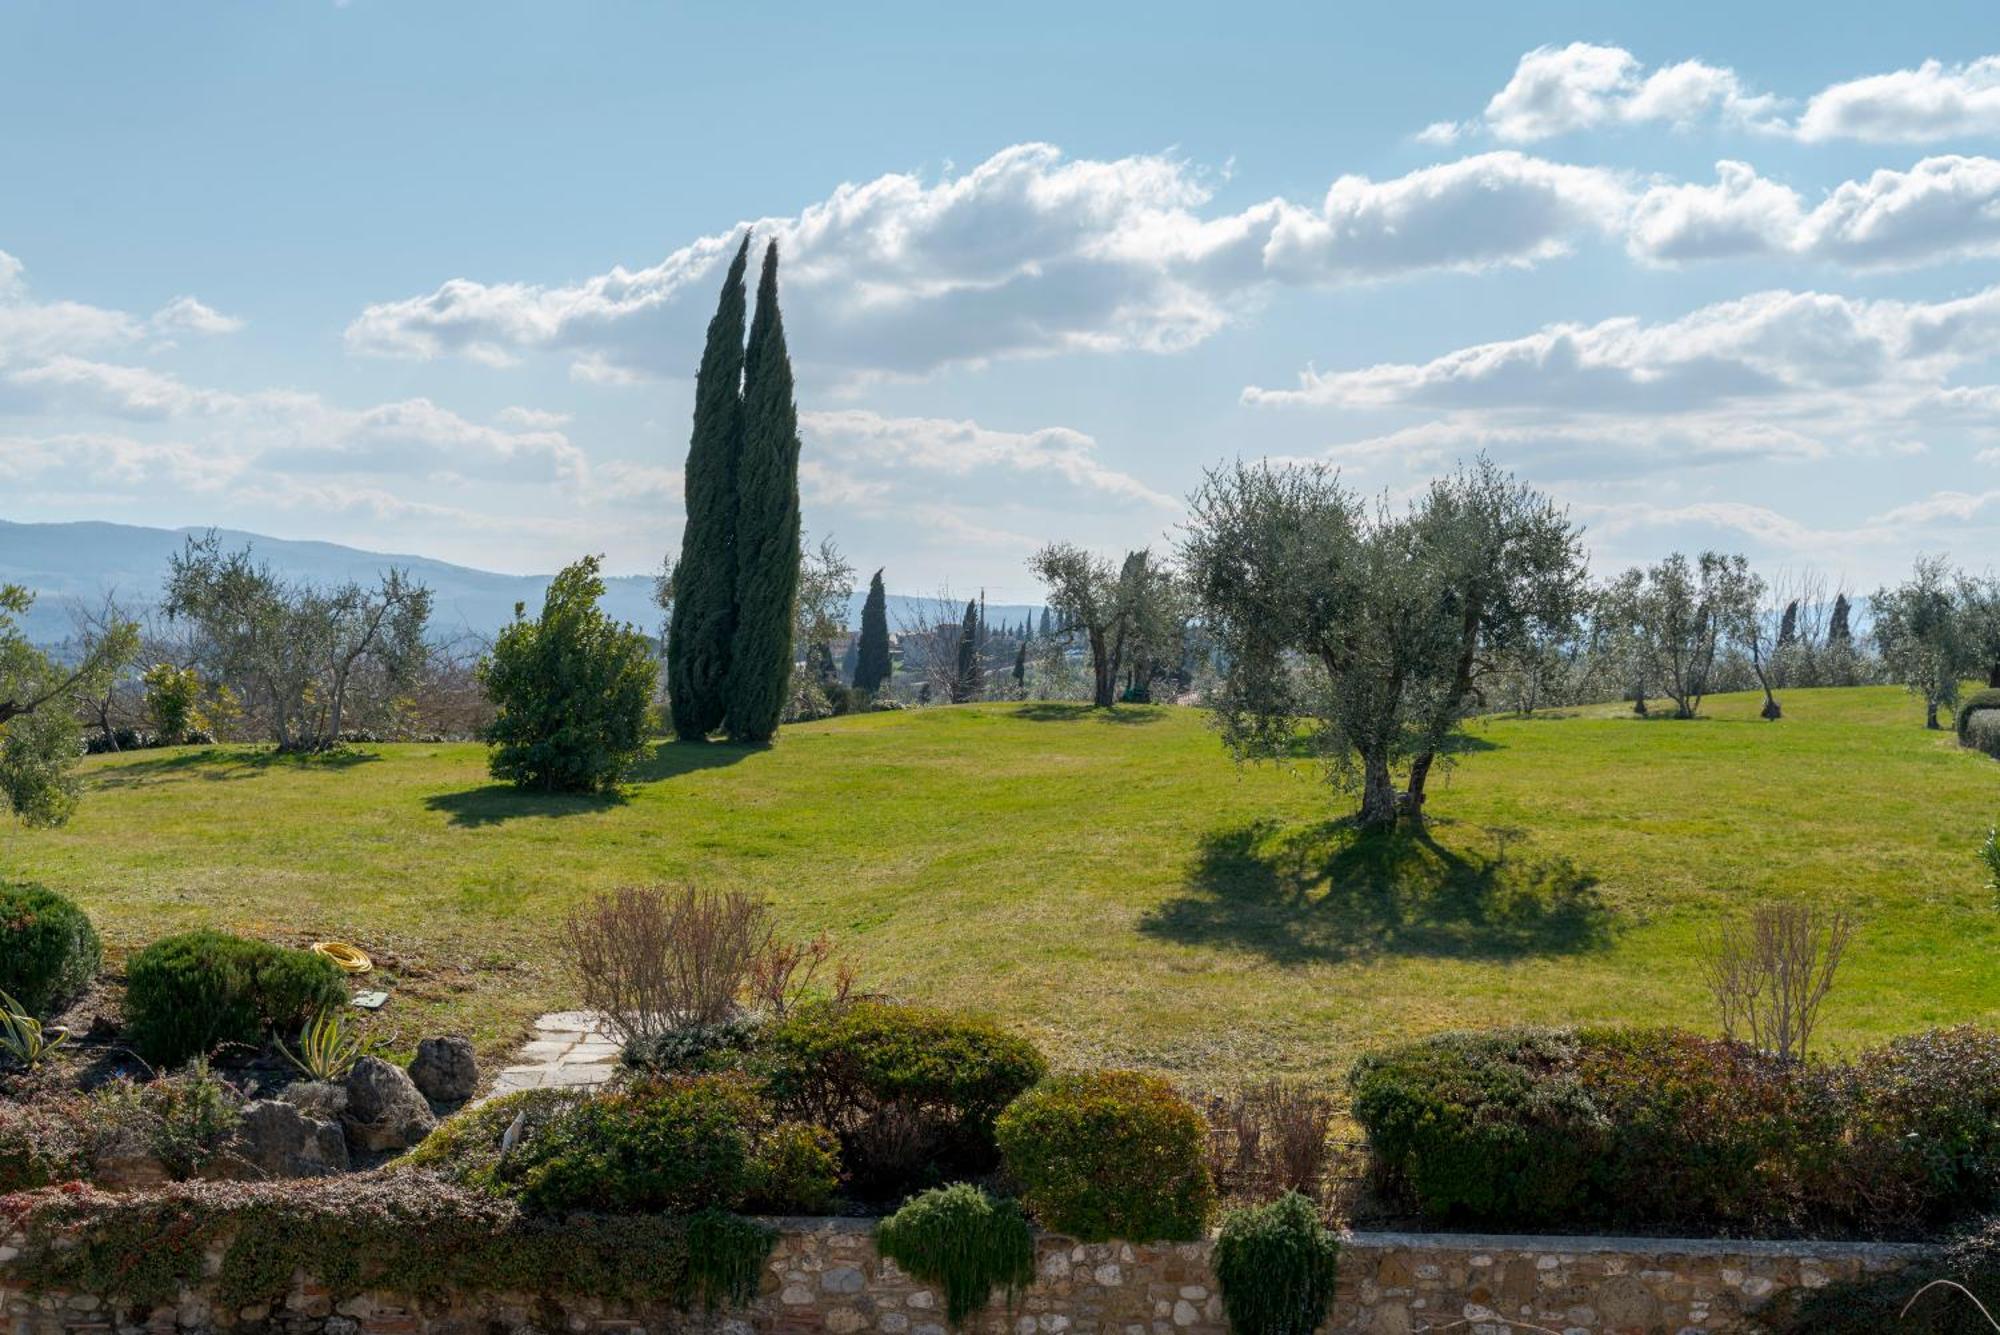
[(570, 1050)]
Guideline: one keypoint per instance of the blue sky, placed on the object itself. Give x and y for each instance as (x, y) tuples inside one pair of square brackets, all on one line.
[(431, 277)]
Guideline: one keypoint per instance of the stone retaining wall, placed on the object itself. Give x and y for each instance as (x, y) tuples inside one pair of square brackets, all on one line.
[(824, 1277)]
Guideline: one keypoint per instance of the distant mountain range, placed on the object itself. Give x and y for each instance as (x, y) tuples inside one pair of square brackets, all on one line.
[(63, 564)]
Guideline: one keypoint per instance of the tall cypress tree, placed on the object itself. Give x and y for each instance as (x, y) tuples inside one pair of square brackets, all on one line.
[(698, 641), (767, 525), (968, 680), (871, 664)]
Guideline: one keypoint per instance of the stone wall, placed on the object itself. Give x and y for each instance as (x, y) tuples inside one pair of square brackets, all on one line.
[(824, 1277)]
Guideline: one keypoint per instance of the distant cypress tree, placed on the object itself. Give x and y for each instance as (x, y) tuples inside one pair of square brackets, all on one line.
[(1837, 631), (704, 583), (1045, 623), (969, 679), (871, 664), (1788, 628), (1021, 664), (767, 525)]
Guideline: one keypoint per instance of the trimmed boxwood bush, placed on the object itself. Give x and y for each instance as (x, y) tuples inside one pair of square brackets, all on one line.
[(1986, 698), (1275, 1264), (678, 1146), (911, 1092), (1109, 1154), (49, 952), (964, 1241), (186, 995), (1982, 731)]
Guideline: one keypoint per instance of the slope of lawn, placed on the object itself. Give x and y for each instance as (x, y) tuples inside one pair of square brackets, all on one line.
[(1111, 883)]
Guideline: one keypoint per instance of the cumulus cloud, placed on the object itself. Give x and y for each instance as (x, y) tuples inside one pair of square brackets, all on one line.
[(1559, 90), (1942, 208), (32, 330), (1919, 106), (1585, 86), (1030, 253)]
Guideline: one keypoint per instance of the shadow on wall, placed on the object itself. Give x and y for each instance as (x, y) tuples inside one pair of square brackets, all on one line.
[(1327, 893), (493, 803), (220, 763)]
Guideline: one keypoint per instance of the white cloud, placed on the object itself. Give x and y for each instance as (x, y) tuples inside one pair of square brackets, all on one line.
[(1030, 253), (850, 444), (187, 315), (32, 330), (1559, 90), (1942, 208), (1923, 105), (1584, 86)]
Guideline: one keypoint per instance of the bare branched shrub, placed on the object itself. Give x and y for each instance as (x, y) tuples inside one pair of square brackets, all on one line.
[(1770, 975), (782, 974), (653, 959), (1269, 1138)]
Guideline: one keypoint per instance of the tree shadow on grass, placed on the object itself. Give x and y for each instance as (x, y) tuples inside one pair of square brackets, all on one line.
[(1329, 893), (221, 765), (493, 803), (1070, 711)]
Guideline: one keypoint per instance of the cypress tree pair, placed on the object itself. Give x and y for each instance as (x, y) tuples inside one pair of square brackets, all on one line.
[(729, 653), (871, 663)]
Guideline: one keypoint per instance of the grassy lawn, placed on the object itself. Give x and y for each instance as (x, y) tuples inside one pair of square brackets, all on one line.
[(1111, 883)]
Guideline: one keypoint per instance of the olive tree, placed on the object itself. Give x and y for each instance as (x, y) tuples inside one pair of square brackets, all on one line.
[(40, 737), (1115, 609), (1675, 617), (294, 651), (1335, 626), (1924, 635), (1511, 572)]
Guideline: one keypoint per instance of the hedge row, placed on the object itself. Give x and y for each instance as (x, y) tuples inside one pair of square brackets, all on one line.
[(407, 1234), (1656, 1130)]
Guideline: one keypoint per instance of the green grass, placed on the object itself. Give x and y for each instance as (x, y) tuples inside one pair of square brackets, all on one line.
[(1112, 884)]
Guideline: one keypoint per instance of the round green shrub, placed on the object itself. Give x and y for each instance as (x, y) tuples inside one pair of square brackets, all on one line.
[(186, 995), (1986, 698), (677, 1146), (964, 1241), (1982, 731), (464, 1150), (1109, 1154), (1928, 1120), (911, 1092), (49, 952), (1275, 1265)]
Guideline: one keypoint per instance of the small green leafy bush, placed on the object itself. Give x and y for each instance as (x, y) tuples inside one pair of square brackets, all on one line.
[(1927, 1123), (465, 1148), (1275, 1264), (184, 1119), (186, 995), (1109, 1154), (49, 952), (912, 1093), (678, 1146), (1982, 731), (963, 1240), (1987, 698), (405, 1234), (693, 1049)]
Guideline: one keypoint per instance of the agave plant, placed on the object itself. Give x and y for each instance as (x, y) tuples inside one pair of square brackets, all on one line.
[(327, 1052), (24, 1038)]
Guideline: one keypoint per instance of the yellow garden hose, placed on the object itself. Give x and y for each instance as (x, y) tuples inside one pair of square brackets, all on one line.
[(347, 957)]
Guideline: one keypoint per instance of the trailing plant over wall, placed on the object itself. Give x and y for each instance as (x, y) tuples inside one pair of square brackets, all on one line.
[(1275, 1266), (409, 1235), (963, 1240)]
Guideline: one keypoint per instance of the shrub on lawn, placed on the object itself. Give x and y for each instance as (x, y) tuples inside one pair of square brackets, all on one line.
[(1986, 698), (964, 1241), (675, 1146), (187, 994), (1928, 1123), (1982, 731), (1109, 1154), (1275, 1265), (49, 952), (912, 1093)]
